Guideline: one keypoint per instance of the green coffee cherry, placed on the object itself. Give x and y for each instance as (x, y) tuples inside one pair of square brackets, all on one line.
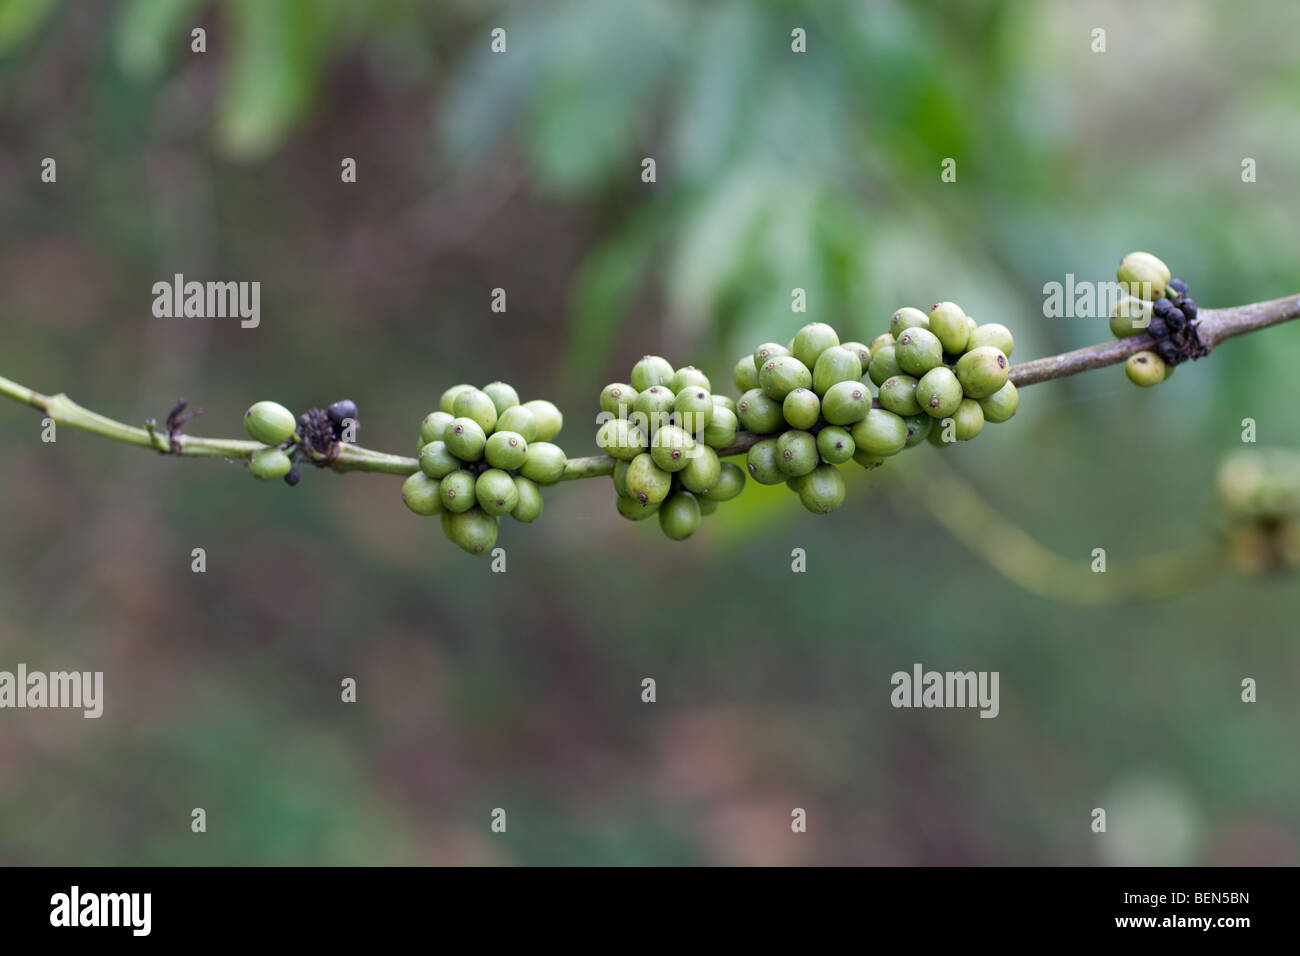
[(270, 423), (689, 376), (726, 401), (846, 402), (766, 351), (907, 318), (918, 427), (456, 492), (543, 463), (721, 432), (898, 394), (859, 351), (918, 351), (940, 436), (982, 371), (835, 364), (796, 453), (268, 464), (529, 507), (801, 408), (1142, 275), (881, 433), (633, 510), (731, 482), (707, 505), (448, 399), (883, 340), (991, 333), (702, 471), (651, 370), (1145, 369), (835, 444), (949, 323), (761, 463), (884, 365), (473, 530), (618, 399), (653, 407), (478, 406), (420, 494), (503, 396), (811, 341), (647, 483), (822, 491), (868, 460), (781, 375), (671, 448), (496, 492), (621, 439), (620, 477), (434, 427), (693, 409), (938, 393), (679, 515), (549, 419), (465, 438), (519, 420), (1002, 404), (969, 419), (437, 461), (758, 413), (1131, 316), (745, 374), (505, 450)]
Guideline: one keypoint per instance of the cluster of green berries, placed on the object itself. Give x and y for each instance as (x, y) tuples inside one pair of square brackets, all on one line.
[(665, 429), (1259, 500), (318, 430), (1157, 304), (483, 454)]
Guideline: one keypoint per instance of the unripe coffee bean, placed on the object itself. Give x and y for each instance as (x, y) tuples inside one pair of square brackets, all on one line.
[(437, 461), (811, 341), (745, 374), (543, 463), (868, 460), (653, 408), (702, 471), (898, 394), (434, 427), (268, 464), (969, 419), (618, 399), (802, 408), (1002, 404), (731, 482), (881, 433), (619, 477), (456, 492), (758, 413), (949, 323), (796, 453), (721, 431), (621, 439), (505, 450), (707, 505), (884, 365), (822, 490), (503, 396), (529, 507), (651, 370), (936, 436), (918, 427), (633, 510), (1145, 369), (982, 371), (781, 375), (991, 333), (835, 444), (476, 405), (1131, 316), (761, 463), (465, 438), (671, 448), (448, 399), (884, 340), (473, 530), (846, 402), (918, 350), (679, 515), (549, 419), (420, 494), (689, 376), (647, 483), (270, 423), (726, 401), (766, 351), (519, 420), (859, 351), (835, 364), (938, 393), (907, 318), (495, 492), (1142, 275), (693, 409)]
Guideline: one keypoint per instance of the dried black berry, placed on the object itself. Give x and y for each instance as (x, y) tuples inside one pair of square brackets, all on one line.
[(1177, 285), (1188, 309), (342, 410), (1157, 329), (1175, 319), (292, 477), (1161, 307), (1167, 350)]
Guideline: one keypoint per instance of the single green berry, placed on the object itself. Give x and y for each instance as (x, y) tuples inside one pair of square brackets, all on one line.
[(1131, 316), (619, 477), (812, 340), (268, 464), (918, 427), (634, 510), (474, 531), (687, 376), (868, 460), (745, 374), (621, 439), (707, 505), (1142, 275), (653, 408), (617, 398), (520, 420), (898, 394), (721, 431), (766, 352), (982, 371), (918, 351), (1002, 404), (880, 433), (761, 463), (796, 453), (420, 494), (969, 419), (836, 364), (938, 393), (651, 370), (505, 450), (549, 419), (496, 492), (456, 492), (725, 401), (859, 351), (991, 333), (466, 439), (835, 444), (270, 423), (731, 482), (942, 432), (949, 323), (434, 427), (801, 408), (529, 507), (693, 409), (822, 490), (907, 318), (781, 375), (448, 399), (437, 461), (1145, 368), (758, 413), (647, 483), (543, 463), (503, 396), (702, 471), (883, 340), (679, 515), (846, 402), (884, 365), (671, 448), (477, 405)]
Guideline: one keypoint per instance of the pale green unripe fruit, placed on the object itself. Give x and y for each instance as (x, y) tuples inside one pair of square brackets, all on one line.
[(868, 460), (1145, 369), (822, 490), (634, 510), (918, 350), (761, 463), (801, 408), (420, 494), (473, 531), (969, 419), (835, 364), (693, 409), (1002, 404), (618, 398), (1142, 275), (466, 439), (619, 477), (478, 406), (726, 401), (671, 448), (702, 470), (949, 323), (918, 427), (767, 351), (835, 444), (646, 482), (898, 394), (503, 396), (881, 433), (449, 397), (982, 371), (270, 423), (679, 515), (758, 413), (846, 402), (434, 427), (549, 419), (651, 370), (543, 463), (721, 431), (1131, 316), (652, 408), (495, 492), (811, 341), (519, 420), (796, 453), (529, 507), (745, 374), (991, 333), (884, 340), (859, 351), (884, 365), (505, 450), (907, 318), (938, 393), (437, 461), (689, 376), (268, 464), (621, 439), (456, 491), (707, 505), (781, 375), (731, 482)]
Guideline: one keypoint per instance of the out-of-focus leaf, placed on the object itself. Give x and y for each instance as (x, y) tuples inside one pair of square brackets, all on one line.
[(147, 34), (19, 19)]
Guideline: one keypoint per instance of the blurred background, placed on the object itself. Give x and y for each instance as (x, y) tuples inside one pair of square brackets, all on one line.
[(522, 171)]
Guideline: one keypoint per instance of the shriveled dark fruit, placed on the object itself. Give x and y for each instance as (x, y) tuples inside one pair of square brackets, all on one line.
[(731, 482), (529, 507), (456, 491), (474, 531), (679, 515), (761, 463), (341, 411), (822, 490), (835, 444), (420, 494)]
